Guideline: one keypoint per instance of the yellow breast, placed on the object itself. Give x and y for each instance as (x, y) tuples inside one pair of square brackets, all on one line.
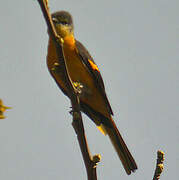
[(78, 73)]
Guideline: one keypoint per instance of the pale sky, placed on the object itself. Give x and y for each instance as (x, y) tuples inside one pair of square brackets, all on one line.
[(136, 46)]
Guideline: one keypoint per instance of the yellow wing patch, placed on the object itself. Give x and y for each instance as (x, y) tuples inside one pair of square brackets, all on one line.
[(93, 65), (102, 129)]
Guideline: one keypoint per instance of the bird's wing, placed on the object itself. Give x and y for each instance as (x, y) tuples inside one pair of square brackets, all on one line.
[(94, 71)]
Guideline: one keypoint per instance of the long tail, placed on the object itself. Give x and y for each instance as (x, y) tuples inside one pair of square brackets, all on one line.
[(114, 135), (125, 156)]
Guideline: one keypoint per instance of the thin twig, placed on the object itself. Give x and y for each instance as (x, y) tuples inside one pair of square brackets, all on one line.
[(90, 162), (159, 165)]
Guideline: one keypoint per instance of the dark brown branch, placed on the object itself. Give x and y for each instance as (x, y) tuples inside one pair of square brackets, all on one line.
[(90, 162), (159, 165)]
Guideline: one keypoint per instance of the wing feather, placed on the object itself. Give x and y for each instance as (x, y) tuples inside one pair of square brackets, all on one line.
[(92, 67)]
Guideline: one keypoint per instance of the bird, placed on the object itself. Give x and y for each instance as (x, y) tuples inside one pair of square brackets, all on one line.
[(87, 80)]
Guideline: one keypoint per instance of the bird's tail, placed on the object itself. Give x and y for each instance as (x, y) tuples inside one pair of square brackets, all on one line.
[(125, 156), (107, 126)]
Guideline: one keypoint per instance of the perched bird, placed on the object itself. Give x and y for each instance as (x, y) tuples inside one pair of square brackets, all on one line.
[(87, 79)]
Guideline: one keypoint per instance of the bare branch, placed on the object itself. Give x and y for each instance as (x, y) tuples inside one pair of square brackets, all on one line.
[(159, 165), (90, 162)]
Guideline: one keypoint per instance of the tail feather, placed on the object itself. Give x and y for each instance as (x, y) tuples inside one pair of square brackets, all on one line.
[(107, 126), (125, 156)]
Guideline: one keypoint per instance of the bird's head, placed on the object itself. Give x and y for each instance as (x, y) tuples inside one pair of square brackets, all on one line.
[(63, 23)]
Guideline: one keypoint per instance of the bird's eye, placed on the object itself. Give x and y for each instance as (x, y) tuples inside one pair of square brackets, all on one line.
[(55, 20)]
